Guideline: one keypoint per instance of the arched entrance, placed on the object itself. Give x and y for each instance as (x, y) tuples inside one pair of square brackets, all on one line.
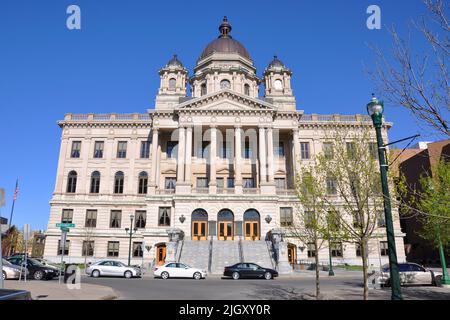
[(292, 253), (225, 229), (251, 225), (160, 250), (199, 228)]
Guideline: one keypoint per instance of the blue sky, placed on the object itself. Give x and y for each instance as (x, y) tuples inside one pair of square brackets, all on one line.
[(111, 65)]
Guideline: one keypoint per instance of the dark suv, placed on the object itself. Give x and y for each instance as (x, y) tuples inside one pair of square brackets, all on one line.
[(36, 270)]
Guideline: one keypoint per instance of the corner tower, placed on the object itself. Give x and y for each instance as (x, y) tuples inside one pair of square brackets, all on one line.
[(277, 81), (173, 84)]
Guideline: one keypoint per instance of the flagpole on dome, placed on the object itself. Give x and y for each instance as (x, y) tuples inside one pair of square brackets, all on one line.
[(16, 191)]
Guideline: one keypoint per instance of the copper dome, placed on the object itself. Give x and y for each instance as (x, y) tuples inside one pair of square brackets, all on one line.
[(225, 43)]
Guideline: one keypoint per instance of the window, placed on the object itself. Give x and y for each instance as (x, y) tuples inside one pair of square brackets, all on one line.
[(220, 183), (279, 150), (137, 249), (280, 183), (116, 217), (98, 149), (113, 248), (357, 220), (225, 84), (311, 250), (336, 249), (249, 183), (95, 182), (164, 216), (247, 150), (67, 216), (172, 149), (170, 183), (118, 182), (358, 250), (76, 147), (384, 250), (143, 182), (381, 221), (145, 149), (141, 217), (203, 89), (333, 222), (66, 247), (286, 217), (304, 150), (328, 151), (202, 182), (172, 84), (373, 150), (122, 149), (309, 219), (88, 249), (230, 182), (72, 182), (246, 89), (225, 151), (331, 186), (91, 219), (350, 149), (205, 150)]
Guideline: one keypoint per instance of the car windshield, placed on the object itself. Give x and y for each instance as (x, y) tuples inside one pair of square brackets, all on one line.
[(6, 263), (35, 263)]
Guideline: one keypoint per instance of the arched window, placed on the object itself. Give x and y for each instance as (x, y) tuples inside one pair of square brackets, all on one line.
[(225, 215), (251, 215), (72, 182), (203, 89), (118, 182), (199, 215), (225, 84), (172, 83), (143, 181), (95, 182), (246, 89)]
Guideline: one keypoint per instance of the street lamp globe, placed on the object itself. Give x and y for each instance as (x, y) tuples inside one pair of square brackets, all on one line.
[(132, 217), (375, 107)]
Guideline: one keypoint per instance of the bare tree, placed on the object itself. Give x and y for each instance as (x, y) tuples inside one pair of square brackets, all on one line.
[(88, 234), (419, 81)]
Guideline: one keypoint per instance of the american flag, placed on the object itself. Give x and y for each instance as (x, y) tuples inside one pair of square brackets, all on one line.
[(16, 191)]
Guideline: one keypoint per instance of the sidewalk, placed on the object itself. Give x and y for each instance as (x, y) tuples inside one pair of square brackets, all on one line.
[(52, 290)]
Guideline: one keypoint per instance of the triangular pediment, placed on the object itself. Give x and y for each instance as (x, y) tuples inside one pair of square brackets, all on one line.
[(226, 100)]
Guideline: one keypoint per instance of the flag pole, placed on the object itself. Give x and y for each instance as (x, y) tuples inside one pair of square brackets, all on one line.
[(14, 201)]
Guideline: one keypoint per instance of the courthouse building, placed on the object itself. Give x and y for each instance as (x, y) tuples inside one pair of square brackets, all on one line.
[(215, 167)]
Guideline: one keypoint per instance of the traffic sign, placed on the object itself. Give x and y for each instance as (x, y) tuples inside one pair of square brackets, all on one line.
[(65, 225)]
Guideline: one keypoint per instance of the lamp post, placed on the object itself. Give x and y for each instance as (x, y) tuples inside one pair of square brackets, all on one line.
[(330, 271), (375, 109), (130, 231)]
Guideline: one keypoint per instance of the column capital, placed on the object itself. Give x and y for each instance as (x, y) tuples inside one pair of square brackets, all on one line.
[(155, 129), (237, 126), (213, 125)]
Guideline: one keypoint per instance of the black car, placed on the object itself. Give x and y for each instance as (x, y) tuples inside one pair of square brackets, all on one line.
[(249, 270), (36, 270)]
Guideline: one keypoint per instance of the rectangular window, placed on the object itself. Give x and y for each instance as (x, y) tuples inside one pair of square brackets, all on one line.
[(164, 217), (328, 151), (247, 150), (219, 183), (286, 217), (384, 250), (145, 149), (88, 249), (202, 182), (91, 219), (304, 150), (113, 249), (331, 186), (172, 147), (309, 220), (225, 151), (311, 250), (248, 183), (350, 149), (141, 217), (230, 182), (205, 149), (76, 149), (279, 150), (116, 218), (280, 183), (170, 183), (122, 149), (336, 249), (373, 150), (98, 149), (66, 248), (358, 250), (357, 222), (138, 250), (67, 216), (381, 221)]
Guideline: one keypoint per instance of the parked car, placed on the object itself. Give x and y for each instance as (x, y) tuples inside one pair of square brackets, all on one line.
[(410, 273), (112, 268), (178, 270), (249, 270), (45, 262), (35, 269), (11, 271)]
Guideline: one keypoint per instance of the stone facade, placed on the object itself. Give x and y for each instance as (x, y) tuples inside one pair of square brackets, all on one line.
[(223, 149)]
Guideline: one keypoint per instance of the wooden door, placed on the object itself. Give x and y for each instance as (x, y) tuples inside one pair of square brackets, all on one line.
[(199, 230), (251, 229), (160, 255), (225, 230)]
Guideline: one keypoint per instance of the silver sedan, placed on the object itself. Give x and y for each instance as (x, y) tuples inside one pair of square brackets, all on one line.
[(11, 271), (112, 268)]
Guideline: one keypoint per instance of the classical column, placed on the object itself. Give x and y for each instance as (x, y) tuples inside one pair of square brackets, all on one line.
[(181, 154), (212, 160), (271, 165), (262, 156), (187, 170), (237, 160), (154, 160), (296, 155)]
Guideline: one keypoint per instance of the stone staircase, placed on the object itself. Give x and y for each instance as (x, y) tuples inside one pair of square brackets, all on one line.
[(194, 253), (224, 253), (257, 252)]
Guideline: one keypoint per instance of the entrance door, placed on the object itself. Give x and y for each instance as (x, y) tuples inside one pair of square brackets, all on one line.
[(160, 255), (251, 230), (199, 230), (225, 230), (292, 253)]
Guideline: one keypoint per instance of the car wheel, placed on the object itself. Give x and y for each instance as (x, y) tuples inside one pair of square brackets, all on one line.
[(236, 275), (128, 274), (38, 275), (267, 276), (197, 276), (165, 275), (95, 274), (4, 275)]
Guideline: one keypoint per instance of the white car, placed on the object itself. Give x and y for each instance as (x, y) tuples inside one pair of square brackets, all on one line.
[(112, 268), (178, 270), (410, 274)]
